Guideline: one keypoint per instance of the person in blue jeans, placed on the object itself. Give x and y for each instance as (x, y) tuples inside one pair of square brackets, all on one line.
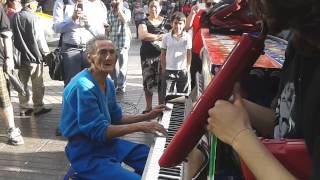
[(93, 121)]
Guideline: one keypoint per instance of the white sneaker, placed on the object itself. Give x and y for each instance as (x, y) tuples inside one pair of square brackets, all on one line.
[(14, 137)]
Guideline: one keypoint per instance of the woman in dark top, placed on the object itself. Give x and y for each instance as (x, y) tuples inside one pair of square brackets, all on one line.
[(298, 112), (151, 30)]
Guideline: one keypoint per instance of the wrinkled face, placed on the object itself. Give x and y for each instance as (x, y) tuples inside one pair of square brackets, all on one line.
[(154, 8), (178, 26), (104, 58)]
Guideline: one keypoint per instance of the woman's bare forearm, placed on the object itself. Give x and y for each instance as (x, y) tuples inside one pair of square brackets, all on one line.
[(146, 36)]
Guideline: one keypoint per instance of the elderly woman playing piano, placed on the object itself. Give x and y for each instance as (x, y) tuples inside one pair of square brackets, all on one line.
[(93, 122)]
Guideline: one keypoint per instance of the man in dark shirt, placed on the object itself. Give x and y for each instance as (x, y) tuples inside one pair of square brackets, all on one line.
[(30, 41)]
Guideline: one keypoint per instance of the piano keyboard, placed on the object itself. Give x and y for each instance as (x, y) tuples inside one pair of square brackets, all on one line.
[(171, 120)]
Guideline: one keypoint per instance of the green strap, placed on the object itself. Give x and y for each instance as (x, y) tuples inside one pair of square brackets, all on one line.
[(213, 152)]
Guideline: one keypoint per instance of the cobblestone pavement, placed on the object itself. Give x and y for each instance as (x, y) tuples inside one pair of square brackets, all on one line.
[(42, 156)]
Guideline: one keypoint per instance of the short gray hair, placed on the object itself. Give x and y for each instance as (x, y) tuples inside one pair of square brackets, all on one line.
[(91, 46)]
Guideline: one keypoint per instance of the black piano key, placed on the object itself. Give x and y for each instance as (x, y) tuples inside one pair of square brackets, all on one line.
[(167, 178), (169, 172), (172, 172), (173, 168)]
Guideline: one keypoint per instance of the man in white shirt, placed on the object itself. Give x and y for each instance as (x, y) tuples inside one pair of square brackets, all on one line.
[(79, 21)]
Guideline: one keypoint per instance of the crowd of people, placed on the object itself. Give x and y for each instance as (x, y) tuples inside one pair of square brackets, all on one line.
[(95, 43)]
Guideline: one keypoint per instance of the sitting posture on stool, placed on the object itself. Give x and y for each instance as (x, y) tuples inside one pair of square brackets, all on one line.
[(92, 121)]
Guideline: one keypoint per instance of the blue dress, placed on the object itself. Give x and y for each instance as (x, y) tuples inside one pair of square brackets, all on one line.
[(86, 114)]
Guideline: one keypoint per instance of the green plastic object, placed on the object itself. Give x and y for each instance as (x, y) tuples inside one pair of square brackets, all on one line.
[(213, 153)]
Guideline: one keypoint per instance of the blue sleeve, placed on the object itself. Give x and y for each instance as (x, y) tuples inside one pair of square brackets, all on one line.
[(90, 117), (114, 108)]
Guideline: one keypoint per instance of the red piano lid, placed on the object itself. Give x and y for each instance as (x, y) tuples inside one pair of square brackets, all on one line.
[(219, 47)]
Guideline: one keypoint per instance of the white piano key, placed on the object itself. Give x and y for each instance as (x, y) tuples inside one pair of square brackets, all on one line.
[(152, 167), (165, 121)]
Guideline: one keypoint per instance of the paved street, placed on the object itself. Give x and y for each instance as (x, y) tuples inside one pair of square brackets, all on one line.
[(42, 157)]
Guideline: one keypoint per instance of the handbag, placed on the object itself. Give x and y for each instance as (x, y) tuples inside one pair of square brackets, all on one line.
[(156, 45), (54, 60)]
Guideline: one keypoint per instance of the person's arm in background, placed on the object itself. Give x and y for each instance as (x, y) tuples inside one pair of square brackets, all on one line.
[(163, 61), (163, 53), (6, 38), (146, 36), (190, 18), (60, 23), (125, 15), (189, 52), (230, 122), (105, 18), (189, 59)]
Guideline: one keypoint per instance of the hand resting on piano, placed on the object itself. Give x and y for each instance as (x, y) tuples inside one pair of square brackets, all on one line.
[(152, 127), (157, 110)]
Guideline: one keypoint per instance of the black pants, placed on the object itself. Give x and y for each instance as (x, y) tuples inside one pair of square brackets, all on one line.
[(196, 66)]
